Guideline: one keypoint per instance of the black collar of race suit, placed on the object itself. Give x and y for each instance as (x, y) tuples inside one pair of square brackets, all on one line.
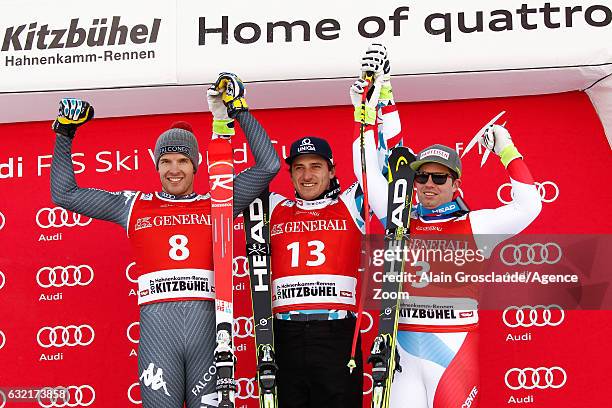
[(169, 196), (332, 192)]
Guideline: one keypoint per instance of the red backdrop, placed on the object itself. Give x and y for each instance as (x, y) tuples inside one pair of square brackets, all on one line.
[(559, 135)]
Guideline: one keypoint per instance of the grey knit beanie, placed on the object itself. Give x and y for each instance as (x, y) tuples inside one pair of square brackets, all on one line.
[(178, 139)]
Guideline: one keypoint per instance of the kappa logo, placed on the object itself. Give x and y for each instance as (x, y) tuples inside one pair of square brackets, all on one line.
[(154, 379), (128, 195), (142, 223)]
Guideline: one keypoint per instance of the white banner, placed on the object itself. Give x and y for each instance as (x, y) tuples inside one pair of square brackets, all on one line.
[(324, 39), (75, 45)]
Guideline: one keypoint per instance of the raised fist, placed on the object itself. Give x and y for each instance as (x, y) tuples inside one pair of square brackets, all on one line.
[(72, 114)]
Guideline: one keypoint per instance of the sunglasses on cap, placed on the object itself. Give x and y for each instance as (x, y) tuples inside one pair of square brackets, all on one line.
[(421, 177)]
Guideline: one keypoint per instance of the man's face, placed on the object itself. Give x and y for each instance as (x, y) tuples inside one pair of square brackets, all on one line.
[(310, 175), (176, 174), (432, 195)]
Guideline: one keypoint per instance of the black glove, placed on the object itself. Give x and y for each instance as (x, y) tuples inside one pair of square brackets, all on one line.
[(72, 114), (233, 93)]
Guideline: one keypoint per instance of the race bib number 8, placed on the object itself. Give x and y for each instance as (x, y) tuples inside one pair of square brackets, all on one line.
[(178, 247)]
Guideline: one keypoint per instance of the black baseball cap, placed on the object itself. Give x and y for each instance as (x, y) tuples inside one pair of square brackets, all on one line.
[(310, 145)]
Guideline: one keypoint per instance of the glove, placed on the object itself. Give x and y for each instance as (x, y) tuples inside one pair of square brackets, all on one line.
[(72, 114), (497, 139), (222, 124), (233, 91), (366, 112), (375, 61)]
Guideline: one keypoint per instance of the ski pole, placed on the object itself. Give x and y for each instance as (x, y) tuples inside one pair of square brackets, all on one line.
[(368, 76)]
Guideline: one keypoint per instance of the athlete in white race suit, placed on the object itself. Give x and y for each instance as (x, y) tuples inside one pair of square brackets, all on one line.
[(437, 333), (171, 236)]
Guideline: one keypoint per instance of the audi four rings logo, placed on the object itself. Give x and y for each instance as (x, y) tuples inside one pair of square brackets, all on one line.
[(59, 217), (2, 220), (529, 378), (59, 276), (132, 333), (370, 324), (127, 272), (368, 390), (549, 192), (78, 396), (531, 254), (132, 399), (240, 272), (538, 315), (245, 388), (2, 339), (2, 399), (243, 327), (70, 336)]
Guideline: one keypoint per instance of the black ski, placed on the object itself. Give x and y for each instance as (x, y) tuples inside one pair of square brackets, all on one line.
[(384, 357), (257, 229)]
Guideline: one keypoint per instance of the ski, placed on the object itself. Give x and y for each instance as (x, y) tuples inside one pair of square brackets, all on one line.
[(384, 357), (257, 230), (221, 179)]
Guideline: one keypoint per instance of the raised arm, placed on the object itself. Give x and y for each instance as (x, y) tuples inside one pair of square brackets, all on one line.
[(95, 203), (383, 130), (226, 102), (492, 226)]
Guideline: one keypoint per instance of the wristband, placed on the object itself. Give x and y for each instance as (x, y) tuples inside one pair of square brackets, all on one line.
[(509, 153), (386, 93), (224, 127), (370, 114)]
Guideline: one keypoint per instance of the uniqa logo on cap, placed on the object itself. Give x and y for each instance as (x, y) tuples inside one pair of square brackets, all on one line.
[(306, 145), (435, 152)]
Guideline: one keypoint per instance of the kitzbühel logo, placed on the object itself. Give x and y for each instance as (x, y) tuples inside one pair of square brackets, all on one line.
[(44, 37)]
